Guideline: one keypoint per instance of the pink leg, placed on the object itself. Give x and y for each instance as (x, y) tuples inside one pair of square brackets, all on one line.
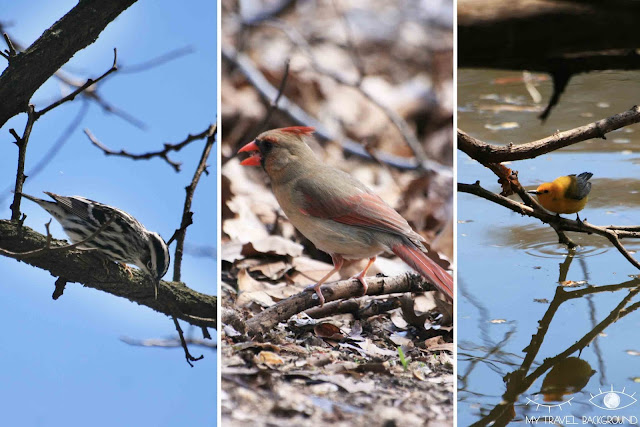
[(337, 265), (360, 277)]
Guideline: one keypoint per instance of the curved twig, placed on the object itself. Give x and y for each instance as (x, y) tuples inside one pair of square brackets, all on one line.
[(163, 154)]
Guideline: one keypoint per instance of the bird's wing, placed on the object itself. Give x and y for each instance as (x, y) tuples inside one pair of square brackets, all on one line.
[(86, 209), (350, 203), (580, 187)]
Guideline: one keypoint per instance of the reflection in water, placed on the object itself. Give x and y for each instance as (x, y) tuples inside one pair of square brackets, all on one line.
[(566, 377), (519, 380)]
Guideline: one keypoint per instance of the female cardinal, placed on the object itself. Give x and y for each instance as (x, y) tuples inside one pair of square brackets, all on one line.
[(338, 213)]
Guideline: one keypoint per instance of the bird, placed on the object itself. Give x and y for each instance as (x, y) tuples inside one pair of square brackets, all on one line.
[(124, 240), (565, 194), (335, 211)]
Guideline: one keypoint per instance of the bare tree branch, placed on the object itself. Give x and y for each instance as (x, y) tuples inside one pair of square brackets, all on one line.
[(283, 310), (21, 142), (163, 154), (484, 152), (86, 85), (186, 212), (94, 270), (28, 70), (613, 234), (47, 247)]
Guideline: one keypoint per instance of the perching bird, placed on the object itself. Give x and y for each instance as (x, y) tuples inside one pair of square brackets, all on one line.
[(565, 194), (336, 212), (124, 240)]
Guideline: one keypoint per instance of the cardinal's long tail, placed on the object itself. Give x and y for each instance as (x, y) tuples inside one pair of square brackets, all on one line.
[(427, 268)]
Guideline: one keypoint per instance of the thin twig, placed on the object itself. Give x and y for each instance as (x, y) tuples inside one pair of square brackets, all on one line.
[(159, 60), (187, 355), (54, 149), (89, 82), (186, 212), (273, 106), (163, 154), (11, 52), (21, 142), (169, 342)]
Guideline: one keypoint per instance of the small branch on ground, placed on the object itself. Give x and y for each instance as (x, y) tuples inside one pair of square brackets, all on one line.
[(361, 308), (283, 310)]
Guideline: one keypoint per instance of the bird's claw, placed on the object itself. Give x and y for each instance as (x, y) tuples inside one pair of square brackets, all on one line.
[(128, 269), (365, 286), (318, 291)]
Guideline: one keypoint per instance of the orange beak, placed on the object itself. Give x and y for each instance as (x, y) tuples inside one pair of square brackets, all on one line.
[(254, 160)]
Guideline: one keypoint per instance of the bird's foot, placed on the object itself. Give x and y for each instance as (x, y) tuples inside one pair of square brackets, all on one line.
[(365, 286), (128, 269), (318, 292)]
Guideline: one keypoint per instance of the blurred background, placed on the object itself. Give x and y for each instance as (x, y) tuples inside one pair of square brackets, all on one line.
[(64, 361)]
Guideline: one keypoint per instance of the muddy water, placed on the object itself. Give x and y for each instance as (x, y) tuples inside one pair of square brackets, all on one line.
[(540, 351)]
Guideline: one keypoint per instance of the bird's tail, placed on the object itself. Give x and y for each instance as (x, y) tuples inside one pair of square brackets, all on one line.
[(33, 199), (427, 268)]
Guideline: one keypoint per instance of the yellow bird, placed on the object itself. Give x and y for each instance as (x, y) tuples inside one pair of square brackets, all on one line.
[(565, 194)]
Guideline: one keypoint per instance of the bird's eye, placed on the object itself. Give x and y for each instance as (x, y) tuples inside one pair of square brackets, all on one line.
[(268, 145), (149, 264), (545, 191)]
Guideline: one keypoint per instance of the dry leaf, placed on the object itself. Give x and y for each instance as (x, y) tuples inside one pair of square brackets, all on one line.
[(269, 358), (328, 330)]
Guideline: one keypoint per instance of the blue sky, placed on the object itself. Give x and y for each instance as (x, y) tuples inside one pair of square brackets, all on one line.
[(63, 361)]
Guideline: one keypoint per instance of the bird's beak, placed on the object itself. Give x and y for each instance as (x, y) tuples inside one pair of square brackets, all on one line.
[(254, 160), (533, 192)]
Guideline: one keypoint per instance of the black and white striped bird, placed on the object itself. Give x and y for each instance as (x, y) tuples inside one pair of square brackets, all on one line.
[(124, 240)]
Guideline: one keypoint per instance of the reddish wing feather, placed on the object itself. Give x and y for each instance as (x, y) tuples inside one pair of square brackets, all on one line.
[(363, 210)]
